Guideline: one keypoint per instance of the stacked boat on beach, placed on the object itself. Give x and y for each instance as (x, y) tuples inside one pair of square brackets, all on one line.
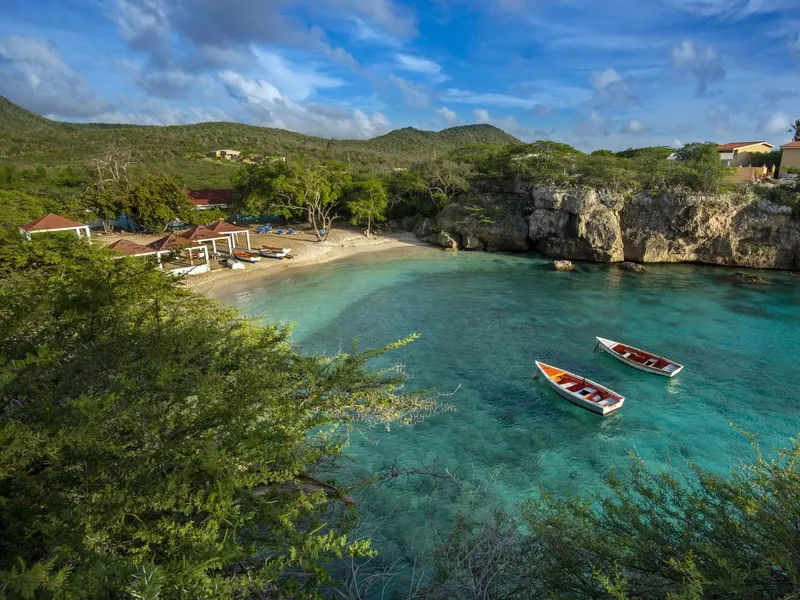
[(598, 398)]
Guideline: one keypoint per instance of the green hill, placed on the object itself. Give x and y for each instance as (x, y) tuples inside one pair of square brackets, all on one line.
[(29, 141)]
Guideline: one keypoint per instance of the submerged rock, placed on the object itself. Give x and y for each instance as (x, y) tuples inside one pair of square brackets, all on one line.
[(749, 279), (443, 239), (563, 265), (632, 267)]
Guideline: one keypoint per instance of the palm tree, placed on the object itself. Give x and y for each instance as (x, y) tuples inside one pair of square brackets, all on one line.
[(795, 129)]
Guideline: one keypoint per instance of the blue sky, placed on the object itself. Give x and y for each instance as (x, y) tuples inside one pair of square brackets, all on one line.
[(609, 74)]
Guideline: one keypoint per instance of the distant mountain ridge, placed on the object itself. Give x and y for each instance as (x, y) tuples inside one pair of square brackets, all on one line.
[(28, 140)]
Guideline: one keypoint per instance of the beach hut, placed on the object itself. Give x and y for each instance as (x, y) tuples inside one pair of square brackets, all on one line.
[(171, 243), (233, 231), (203, 236), (52, 223)]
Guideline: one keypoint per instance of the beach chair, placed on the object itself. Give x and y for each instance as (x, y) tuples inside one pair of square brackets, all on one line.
[(279, 232), (322, 232), (290, 231)]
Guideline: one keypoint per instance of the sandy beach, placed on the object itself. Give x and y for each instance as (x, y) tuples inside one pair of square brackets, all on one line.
[(343, 242)]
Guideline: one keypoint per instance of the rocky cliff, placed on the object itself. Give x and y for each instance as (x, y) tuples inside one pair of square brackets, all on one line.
[(604, 227)]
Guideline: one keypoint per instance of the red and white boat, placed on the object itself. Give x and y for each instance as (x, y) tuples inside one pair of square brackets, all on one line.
[(246, 256), (580, 391), (640, 359), (274, 251)]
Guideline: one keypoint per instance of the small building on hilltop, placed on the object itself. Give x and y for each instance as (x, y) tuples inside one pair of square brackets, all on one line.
[(737, 154), (53, 223), (226, 154), (208, 199), (790, 158)]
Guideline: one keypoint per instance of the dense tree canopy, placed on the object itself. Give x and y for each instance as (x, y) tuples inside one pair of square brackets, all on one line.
[(156, 201), (151, 442)]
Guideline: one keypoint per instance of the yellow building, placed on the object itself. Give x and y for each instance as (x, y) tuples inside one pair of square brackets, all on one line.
[(790, 158), (736, 154)]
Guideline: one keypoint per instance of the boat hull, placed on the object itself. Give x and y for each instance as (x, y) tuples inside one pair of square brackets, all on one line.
[(247, 257), (607, 346), (576, 399)]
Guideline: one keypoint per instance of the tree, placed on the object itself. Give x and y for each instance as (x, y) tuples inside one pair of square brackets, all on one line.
[(312, 190), (368, 203), (699, 154), (660, 536), (153, 444), (443, 179), (794, 129), (156, 201), (110, 170), (107, 205)]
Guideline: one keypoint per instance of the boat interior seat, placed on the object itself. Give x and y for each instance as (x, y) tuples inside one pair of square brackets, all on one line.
[(569, 384)]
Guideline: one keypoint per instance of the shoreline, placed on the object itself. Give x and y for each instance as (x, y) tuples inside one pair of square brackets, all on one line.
[(342, 243)]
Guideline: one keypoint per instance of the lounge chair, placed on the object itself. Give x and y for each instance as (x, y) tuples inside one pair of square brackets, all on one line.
[(290, 231), (279, 232)]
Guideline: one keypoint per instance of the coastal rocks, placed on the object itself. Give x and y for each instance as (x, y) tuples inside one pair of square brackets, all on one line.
[(422, 227), (749, 279), (443, 239), (484, 228), (721, 230), (594, 235), (563, 265), (632, 267)]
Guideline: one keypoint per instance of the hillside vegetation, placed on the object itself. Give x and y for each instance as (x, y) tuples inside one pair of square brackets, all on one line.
[(29, 141)]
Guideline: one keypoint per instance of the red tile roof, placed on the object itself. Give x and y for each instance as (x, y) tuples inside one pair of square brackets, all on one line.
[(210, 197), (791, 145), (169, 242), (130, 248), (736, 145), (224, 227), (51, 222), (201, 233)]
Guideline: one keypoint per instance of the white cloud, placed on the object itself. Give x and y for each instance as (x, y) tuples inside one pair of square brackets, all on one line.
[(735, 10), (593, 125), (778, 123), (447, 116), (633, 127), (407, 62), (414, 95), (611, 88), (540, 110), (296, 82), (703, 62), (274, 109), (677, 144), (553, 95), (481, 115), (32, 73)]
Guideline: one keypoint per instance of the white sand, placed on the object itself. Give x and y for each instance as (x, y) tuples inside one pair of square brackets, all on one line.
[(343, 242)]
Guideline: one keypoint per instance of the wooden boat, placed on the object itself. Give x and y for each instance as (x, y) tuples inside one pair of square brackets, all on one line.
[(581, 391), (229, 262), (274, 251), (246, 256), (639, 359)]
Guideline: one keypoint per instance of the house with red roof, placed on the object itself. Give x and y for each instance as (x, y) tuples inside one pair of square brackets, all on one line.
[(737, 154), (52, 223), (208, 199), (790, 158)]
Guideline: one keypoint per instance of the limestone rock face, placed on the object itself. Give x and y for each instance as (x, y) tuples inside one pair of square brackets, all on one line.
[(443, 239), (480, 229), (592, 225), (717, 230), (583, 228)]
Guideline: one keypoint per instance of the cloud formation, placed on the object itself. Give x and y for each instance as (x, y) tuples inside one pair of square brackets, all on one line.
[(703, 62), (272, 108), (447, 116), (610, 88), (32, 73)]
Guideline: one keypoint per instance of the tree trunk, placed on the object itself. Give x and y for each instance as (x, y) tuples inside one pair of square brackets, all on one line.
[(369, 223)]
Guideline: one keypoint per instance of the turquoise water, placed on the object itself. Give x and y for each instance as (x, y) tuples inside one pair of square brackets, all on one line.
[(484, 319)]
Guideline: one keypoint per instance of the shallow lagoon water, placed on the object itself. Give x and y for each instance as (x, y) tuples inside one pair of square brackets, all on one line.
[(484, 319)]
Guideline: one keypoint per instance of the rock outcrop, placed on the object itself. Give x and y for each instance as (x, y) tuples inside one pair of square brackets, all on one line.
[(563, 265), (632, 267), (589, 225)]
